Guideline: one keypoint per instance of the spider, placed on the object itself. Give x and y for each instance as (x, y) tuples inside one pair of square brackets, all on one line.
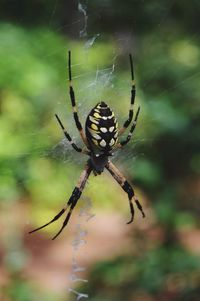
[(101, 139)]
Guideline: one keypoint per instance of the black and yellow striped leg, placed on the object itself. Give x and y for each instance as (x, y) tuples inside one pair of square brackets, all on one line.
[(72, 201), (78, 149), (73, 102), (118, 176), (128, 138), (53, 220), (75, 196), (133, 92)]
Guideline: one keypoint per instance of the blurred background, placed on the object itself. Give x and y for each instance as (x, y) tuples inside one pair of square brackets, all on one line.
[(156, 258)]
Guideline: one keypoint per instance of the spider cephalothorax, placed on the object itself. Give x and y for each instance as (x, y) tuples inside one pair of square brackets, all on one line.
[(101, 139)]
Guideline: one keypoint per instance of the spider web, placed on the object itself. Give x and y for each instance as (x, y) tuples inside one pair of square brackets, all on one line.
[(99, 80), (102, 78)]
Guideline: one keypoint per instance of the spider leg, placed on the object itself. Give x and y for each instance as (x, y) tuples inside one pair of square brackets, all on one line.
[(133, 92), (73, 102), (76, 195), (72, 201), (53, 220), (118, 176), (68, 215), (128, 138), (78, 149)]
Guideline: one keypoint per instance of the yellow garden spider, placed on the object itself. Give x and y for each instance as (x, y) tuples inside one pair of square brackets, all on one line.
[(101, 139)]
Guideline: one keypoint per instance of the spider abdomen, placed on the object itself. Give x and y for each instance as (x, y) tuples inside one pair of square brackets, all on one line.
[(101, 128)]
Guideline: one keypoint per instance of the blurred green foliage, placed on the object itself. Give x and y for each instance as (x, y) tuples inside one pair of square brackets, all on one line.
[(20, 290), (162, 273), (162, 158)]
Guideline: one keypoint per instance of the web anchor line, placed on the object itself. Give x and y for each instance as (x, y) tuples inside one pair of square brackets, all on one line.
[(78, 242), (83, 10)]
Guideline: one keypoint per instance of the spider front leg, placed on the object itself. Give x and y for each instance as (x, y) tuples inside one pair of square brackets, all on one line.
[(118, 176), (78, 149), (73, 102), (133, 92), (128, 138), (72, 201)]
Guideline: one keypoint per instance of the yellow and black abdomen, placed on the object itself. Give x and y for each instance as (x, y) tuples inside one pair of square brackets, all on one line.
[(101, 128)]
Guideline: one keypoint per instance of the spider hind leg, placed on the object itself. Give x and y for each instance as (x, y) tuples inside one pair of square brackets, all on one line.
[(72, 201), (51, 221), (75, 195), (118, 176), (129, 190)]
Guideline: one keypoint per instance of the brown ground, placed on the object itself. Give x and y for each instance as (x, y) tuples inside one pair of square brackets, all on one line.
[(49, 263)]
